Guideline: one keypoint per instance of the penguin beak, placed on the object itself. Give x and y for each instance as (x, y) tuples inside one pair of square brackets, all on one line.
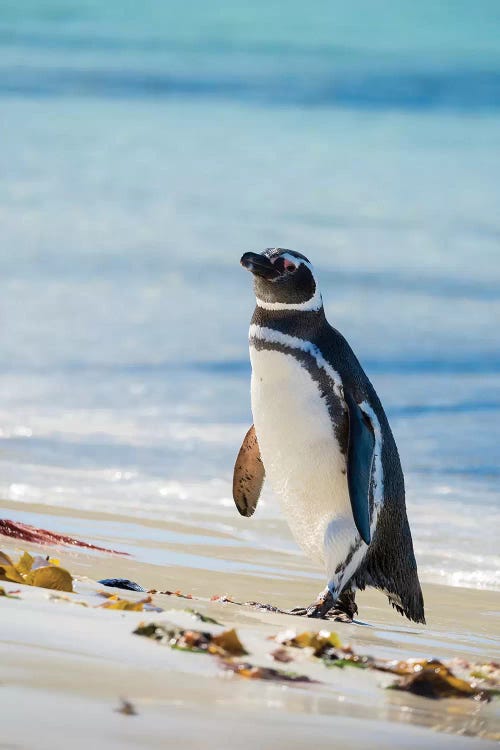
[(260, 265)]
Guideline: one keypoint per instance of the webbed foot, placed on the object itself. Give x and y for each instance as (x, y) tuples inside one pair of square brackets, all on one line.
[(337, 615), (345, 608), (341, 610), (317, 609)]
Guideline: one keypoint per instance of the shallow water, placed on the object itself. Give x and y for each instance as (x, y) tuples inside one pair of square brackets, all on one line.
[(141, 156)]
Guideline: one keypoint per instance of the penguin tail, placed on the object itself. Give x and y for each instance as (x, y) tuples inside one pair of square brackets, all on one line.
[(400, 585), (390, 564), (413, 609)]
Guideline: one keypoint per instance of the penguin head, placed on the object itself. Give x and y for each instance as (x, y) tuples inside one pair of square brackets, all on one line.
[(283, 279)]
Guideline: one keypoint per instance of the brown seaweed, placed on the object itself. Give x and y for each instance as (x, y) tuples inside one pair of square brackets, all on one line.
[(431, 678), (252, 672), (223, 644)]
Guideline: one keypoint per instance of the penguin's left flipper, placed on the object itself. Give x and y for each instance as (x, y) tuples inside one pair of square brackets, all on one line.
[(248, 475), (359, 466)]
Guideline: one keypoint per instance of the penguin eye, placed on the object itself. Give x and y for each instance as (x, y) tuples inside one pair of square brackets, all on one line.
[(284, 265)]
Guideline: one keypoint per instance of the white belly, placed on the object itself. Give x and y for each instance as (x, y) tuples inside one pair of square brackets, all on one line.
[(302, 458)]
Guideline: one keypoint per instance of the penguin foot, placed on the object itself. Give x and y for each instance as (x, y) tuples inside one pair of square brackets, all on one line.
[(337, 615), (317, 609), (341, 610), (311, 611), (345, 607)]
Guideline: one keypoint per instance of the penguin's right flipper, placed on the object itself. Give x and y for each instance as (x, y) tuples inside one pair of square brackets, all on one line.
[(359, 466), (248, 475)]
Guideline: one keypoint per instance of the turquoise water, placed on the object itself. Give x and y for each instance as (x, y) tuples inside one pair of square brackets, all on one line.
[(145, 147)]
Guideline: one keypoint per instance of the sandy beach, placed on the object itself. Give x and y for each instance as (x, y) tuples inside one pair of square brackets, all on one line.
[(144, 148), (70, 666)]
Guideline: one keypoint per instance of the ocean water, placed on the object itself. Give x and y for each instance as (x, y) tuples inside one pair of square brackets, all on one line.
[(143, 148)]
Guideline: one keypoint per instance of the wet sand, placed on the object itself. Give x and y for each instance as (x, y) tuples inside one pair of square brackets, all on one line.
[(67, 666)]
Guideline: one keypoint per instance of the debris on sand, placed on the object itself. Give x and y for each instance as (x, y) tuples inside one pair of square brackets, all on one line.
[(121, 583), (224, 644), (9, 594), (431, 678), (27, 533), (202, 618), (126, 708), (251, 672), (113, 601), (35, 571)]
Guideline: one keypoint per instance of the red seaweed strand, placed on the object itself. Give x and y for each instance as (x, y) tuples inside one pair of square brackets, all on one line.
[(27, 533)]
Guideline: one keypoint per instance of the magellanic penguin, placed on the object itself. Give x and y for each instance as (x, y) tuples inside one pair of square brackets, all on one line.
[(322, 438)]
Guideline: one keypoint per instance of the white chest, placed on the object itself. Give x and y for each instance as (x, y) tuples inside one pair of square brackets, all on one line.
[(301, 456)]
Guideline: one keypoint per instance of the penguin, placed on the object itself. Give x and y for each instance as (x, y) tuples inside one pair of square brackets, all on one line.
[(321, 438)]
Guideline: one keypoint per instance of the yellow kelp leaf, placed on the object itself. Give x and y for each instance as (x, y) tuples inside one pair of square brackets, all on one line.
[(115, 603), (24, 564), (227, 643), (50, 577), (316, 641), (35, 571), (321, 642), (9, 573), (108, 595)]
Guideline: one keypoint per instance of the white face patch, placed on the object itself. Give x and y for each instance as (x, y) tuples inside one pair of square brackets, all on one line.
[(288, 257), (296, 261)]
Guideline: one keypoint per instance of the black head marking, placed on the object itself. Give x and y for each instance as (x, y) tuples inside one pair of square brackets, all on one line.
[(282, 278)]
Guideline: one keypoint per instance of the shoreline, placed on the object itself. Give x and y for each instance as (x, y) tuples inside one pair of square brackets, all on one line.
[(82, 660)]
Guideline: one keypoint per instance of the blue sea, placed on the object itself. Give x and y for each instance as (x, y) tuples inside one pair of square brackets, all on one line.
[(144, 147)]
